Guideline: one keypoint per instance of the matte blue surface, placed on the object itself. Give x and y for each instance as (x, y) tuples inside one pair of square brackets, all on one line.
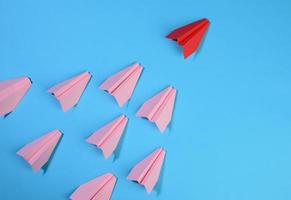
[(230, 138)]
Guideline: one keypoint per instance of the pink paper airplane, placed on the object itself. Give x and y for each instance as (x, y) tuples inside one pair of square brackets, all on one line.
[(107, 137), (11, 92), (69, 92), (39, 152), (99, 188), (122, 84), (159, 108), (147, 171)]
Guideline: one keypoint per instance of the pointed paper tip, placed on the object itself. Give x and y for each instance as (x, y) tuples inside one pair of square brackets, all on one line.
[(122, 116), (142, 67), (185, 56), (66, 109), (89, 73), (6, 115), (161, 129), (104, 154), (138, 64), (110, 176), (30, 80), (120, 104), (61, 133), (206, 19), (148, 189), (19, 152), (170, 87), (160, 149)]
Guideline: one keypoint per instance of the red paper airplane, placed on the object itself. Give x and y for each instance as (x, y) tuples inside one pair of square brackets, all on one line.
[(190, 36)]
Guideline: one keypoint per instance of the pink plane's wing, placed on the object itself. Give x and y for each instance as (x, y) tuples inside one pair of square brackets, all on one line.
[(159, 108), (148, 170), (107, 137), (122, 84), (69, 92), (38, 152), (99, 188), (11, 92)]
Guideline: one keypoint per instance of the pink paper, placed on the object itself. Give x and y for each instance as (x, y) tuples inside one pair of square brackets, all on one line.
[(11, 92), (122, 84), (107, 137), (99, 188), (159, 108), (69, 92), (147, 171), (38, 152)]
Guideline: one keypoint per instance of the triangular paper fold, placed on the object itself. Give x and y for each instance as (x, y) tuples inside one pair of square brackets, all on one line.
[(11, 92), (190, 36), (38, 152), (147, 171), (107, 137), (122, 84), (159, 108), (69, 92), (99, 188)]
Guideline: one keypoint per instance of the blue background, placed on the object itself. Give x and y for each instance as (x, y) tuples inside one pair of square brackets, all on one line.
[(231, 133)]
